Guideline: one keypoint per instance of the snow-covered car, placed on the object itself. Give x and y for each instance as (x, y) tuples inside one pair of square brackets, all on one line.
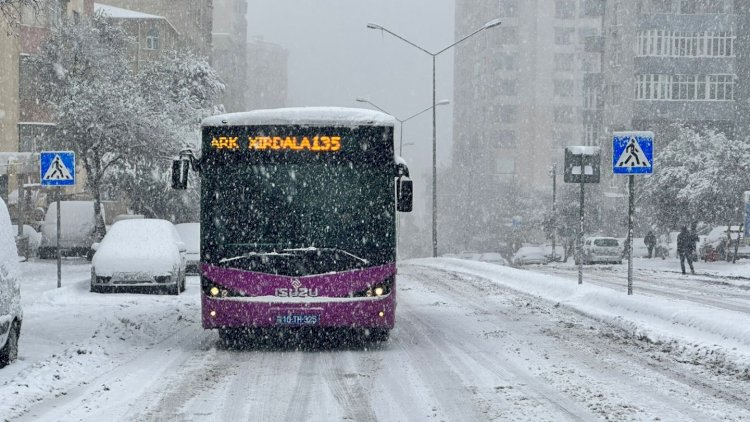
[(602, 250), (145, 253), (11, 314), (528, 255), (34, 238), (493, 258), (190, 233), (77, 226)]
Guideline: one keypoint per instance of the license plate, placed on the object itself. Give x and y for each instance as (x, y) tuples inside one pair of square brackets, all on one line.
[(295, 319)]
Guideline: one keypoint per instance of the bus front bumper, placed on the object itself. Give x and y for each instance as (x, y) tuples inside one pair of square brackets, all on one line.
[(266, 312)]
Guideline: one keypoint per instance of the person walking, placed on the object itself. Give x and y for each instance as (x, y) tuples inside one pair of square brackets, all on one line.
[(650, 241), (686, 248)]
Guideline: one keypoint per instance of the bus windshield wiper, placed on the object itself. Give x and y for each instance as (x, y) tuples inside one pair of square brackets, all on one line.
[(252, 255), (315, 249)]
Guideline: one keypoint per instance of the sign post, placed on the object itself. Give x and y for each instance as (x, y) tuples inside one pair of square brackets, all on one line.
[(632, 153), (57, 169), (582, 165)]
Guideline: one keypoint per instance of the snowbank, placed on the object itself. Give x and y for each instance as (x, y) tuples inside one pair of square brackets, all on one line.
[(702, 328)]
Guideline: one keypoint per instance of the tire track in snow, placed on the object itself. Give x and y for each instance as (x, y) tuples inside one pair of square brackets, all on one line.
[(679, 389)]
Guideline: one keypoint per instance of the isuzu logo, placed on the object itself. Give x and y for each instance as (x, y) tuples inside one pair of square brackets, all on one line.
[(296, 291)]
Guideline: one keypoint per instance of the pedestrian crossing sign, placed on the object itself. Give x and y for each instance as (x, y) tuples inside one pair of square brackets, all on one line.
[(57, 168), (633, 153)]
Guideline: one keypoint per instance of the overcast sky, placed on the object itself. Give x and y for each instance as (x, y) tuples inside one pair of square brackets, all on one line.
[(334, 58)]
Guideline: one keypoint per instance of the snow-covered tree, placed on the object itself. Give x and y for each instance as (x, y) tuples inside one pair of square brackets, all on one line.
[(100, 113), (182, 89), (10, 10), (698, 177), (124, 126)]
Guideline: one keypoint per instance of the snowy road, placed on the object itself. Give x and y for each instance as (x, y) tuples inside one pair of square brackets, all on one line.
[(465, 348)]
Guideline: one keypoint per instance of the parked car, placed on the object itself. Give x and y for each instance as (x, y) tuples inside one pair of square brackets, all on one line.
[(601, 250), (34, 238), (77, 226), (145, 253), (527, 255), (11, 315), (493, 258), (190, 233), (716, 245)]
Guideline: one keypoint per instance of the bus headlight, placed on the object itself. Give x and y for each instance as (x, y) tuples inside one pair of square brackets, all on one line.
[(214, 291), (377, 290)]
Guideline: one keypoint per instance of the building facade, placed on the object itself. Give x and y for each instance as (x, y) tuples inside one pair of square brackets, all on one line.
[(229, 52), (267, 76), (518, 101), (193, 19), (671, 61)]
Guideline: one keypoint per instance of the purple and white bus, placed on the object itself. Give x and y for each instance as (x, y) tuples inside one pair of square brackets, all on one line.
[(298, 219)]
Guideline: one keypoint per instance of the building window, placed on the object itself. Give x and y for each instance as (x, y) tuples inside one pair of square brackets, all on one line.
[(506, 165), (565, 9), (509, 87), (563, 114), (152, 39), (507, 61), (29, 85), (565, 62), (591, 134), (563, 88), (507, 139), (715, 87), (662, 6), (720, 87), (688, 6), (685, 44), (508, 113), (590, 98), (564, 36)]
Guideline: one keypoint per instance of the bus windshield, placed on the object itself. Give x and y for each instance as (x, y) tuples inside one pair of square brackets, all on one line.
[(298, 216)]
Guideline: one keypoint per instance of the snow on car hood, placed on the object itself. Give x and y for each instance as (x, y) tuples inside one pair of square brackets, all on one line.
[(138, 246)]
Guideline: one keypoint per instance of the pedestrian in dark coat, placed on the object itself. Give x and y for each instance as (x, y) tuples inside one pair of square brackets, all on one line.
[(650, 241), (685, 248)]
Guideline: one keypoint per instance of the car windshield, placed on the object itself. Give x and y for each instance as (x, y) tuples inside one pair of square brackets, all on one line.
[(606, 242)]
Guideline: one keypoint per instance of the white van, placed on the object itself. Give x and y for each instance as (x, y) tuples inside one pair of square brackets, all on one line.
[(77, 225), (11, 315)]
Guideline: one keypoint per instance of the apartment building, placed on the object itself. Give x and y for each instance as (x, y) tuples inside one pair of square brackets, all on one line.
[(267, 78)]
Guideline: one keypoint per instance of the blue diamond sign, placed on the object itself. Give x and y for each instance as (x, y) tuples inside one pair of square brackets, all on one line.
[(633, 153), (57, 168)]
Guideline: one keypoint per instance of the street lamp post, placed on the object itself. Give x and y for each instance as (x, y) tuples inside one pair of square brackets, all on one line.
[(490, 24), (402, 121)]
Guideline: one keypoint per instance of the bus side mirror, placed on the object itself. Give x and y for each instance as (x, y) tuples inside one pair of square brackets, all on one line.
[(404, 194), (180, 170)]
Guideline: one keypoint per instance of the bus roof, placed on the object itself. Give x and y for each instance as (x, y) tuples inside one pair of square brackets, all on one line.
[(305, 116)]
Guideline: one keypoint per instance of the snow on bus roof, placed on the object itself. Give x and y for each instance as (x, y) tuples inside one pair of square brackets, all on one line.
[(306, 116)]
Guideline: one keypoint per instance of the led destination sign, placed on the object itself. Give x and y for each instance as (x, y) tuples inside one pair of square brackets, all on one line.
[(279, 143)]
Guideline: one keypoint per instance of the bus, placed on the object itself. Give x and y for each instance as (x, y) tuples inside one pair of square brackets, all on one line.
[(298, 219)]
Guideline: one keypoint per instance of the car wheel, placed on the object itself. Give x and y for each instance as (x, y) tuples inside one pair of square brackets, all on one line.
[(9, 352)]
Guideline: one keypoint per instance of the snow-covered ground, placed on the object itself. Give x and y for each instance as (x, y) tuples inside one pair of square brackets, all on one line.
[(473, 341)]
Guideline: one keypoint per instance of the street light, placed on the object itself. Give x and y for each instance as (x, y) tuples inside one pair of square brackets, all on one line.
[(488, 25), (401, 129)]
